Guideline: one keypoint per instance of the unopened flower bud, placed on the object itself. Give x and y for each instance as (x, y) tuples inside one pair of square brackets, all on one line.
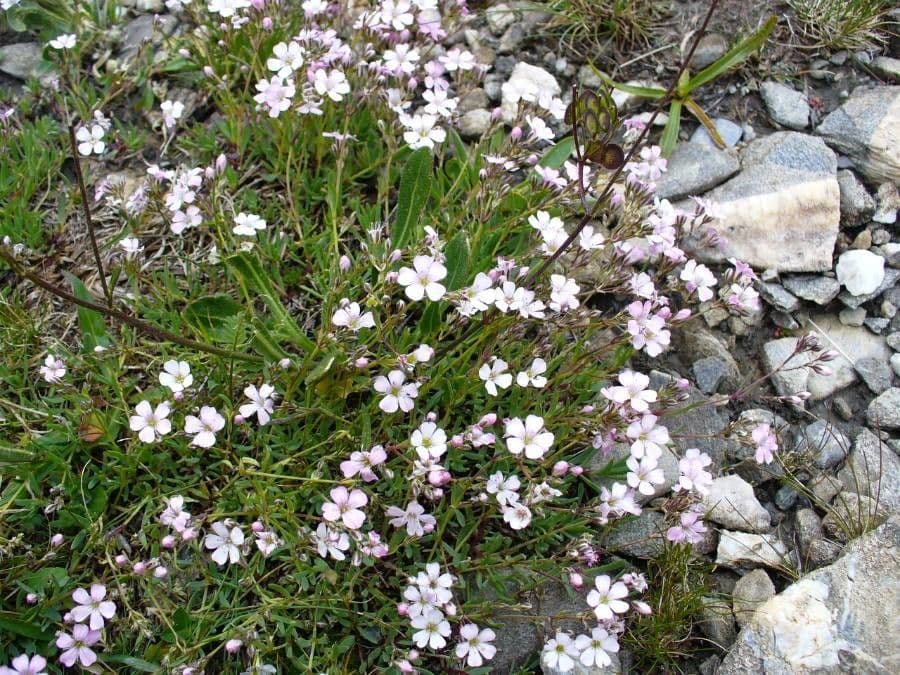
[(682, 383), (395, 255), (489, 420), (828, 355), (121, 560), (450, 609), (682, 315), (587, 410), (390, 277), (456, 441), (344, 263), (412, 83), (233, 645), (68, 618), (178, 396), (184, 53), (168, 541), (361, 362), (56, 540), (139, 567), (221, 162), (576, 580), (496, 114), (208, 71), (576, 470), (413, 655), (267, 23), (561, 468), (31, 598), (160, 572), (238, 419), (642, 607), (532, 159), (429, 527), (403, 609), (257, 526), (284, 364), (516, 133)]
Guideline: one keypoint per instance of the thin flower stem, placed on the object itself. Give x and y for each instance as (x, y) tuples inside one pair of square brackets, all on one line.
[(122, 317), (86, 208)]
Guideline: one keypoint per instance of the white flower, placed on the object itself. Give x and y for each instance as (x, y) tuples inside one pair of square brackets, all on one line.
[(225, 543), (529, 436), (644, 473), (204, 427), (563, 293), (431, 629), (351, 316), (606, 598), (439, 102), (261, 403), (560, 653), (436, 583), (414, 519), (149, 423), (596, 648), (589, 240), (247, 224), (474, 645), (176, 376), (172, 112), (226, 8), (458, 60), (698, 278), (533, 375), (421, 131), (397, 392), (397, 13), (286, 58), (422, 279), (332, 84), (131, 246), (633, 391), (330, 542), (91, 140), (429, 441), (539, 129), (267, 541), (53, 370), (9, 4), (517, 515), (543, 222), (92, 606), (495, 375), (275, 94), (65, 41), (182, 220), (401, 59)]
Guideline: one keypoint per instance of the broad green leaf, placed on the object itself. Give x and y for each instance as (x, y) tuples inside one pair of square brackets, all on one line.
[(11, 455), (256, 284), (670, 134), (415, 186), (456, 256), (557, 155), (704, 119), (734, 56), (136, 664), (322, 367), (211, 311), (11, 624), (430, 322), (93, 329)]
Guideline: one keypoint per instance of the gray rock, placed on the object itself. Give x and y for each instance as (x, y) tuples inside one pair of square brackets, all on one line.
[(789, 372), (640, 537), (528, 82), (852, 515), (709, 373), (731, 502), (782, 211), (728, 130), (776, 296), (857, 205), (145, 28), (710, 49), (828, 623), (862, 241), (876, 324), (699, 343), (893, 341), (717, 622), (751, 590), (743, 549), (875, 373), (812, 287), (22, 60), (475, 123), (873, 469), (867, 129), (787, 107), (825, 488), (886, 67), (499, 17), (891, 277), (695, 168), (815, 550), (477, 98), (887, 199), (587, 77), (884, 411), (828, 444), (852, 317), (895, 364), (512, 39), (493, 84), (786, 497)]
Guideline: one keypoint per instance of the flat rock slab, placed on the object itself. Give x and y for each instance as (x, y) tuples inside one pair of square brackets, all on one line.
[(839, 619), (782, 211), (695, 168), (867, 129), (22, 60), (873, 469), (731, 502)]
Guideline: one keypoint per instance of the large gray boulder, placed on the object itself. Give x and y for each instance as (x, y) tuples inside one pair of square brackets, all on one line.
[(782, 211), (867, 129), (839, 619), (695, 168)]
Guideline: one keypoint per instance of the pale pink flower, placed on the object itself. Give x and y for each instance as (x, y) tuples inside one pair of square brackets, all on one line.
[(362, 462), (698, 278), (77, 646), (150, 424), (530, 437), (690, 530), (413, 518), (23, 665), (693, 476), (398, 394), (261, 403), (346, 507), (225, 542), (275, 94), (563, 293), (248, 224), (205, 427), (171, 112), (92, 607), (474, 645), (606, 598), (331, 542), (517, 515), (267, 541), (766, 444), (53, 370), (633, 390)]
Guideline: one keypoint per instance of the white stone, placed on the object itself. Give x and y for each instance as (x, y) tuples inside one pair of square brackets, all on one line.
[(731, 502), (527, 83), (742, 549), (860, 272)]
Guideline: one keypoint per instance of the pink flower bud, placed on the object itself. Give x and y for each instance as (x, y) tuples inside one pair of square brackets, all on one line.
[(587, 410), (390, 277), (168, 541), (496, 114), (258, 4), (403, 609), (160, 572), (68, 618), (178, 396), (413, 655), (682, 315), (488, 420), (184, 53), (56, 540), (664, 313), (395, 255), (576, 580), (257, 526), (284, 364), (188, 533), (436, 494), (31, 598), (616, 199), (682, 383), (516, 133), (267, 23), (576, 470), (344, 263), (429, 527), (412, 83), (208, 71), (139, 567), (238, 419), (642, 607), (233, 645), (361, 362), (209, 173), (121, 560), (561, 468), (456, 441), (532, 159), (450, 609)]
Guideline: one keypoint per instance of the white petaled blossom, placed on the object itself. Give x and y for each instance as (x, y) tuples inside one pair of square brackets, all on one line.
[(176, 376), (429, 441), (474, 645), (53, 370), (495, 375), (65, 41), (351, 316), (413, 518), (225, 542), (227, 8), (286, 58), (563, 293), (422, 131), (90, 140), (275, 94), (633, 391), (606, 599), (151, 424), (248, 224), (92, 607), (423, 279), (261, 403), (204, 427), (431, 629), (530, 437), (171, 112), (517, 515), (560, 652), (505, 489), (131, 247), (534, 375), (596, 648), (332, 84), (643, 474), (398, 393)]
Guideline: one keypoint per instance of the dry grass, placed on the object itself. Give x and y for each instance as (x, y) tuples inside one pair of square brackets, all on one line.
[(843, 24)]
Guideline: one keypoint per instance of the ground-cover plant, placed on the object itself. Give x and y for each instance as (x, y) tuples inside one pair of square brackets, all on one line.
[(350, 382), (592, 24), (843, 24)]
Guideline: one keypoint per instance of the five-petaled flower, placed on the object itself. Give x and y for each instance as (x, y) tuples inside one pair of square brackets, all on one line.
[(606, 598), (53, 370), (474, 646), (398, 393), (225, 541), (204, 427), (77, 646), (92, 607), (530, 437), (346, 507), (150, 424), (25, 665), (422, 279), (261, 403)]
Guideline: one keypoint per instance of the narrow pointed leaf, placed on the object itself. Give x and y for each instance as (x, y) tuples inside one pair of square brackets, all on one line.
[(670, 134), (705, 120), (736, 55), (415, 185)]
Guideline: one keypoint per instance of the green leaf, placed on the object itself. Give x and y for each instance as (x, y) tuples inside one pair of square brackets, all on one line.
[(633, 89), (11, 455), (431, 318), (736, 55), (134, 663), (265, 343), (456, 257), (415, 185), (210, 312), (557, 155), (670, 134), (11, 624), (704, 119), (322, 367), (256, 284), (93, 329)]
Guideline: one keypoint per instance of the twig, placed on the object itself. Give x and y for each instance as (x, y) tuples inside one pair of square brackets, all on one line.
[(546, 262), (127, 319), (86, 207)]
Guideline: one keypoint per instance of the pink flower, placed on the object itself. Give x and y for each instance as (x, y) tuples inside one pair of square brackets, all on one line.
[(690, 530), (398, 394), (77, 646), (261, 403), (362, 463), (23, 665), (606, 598), (92, 606), (474, 645), (345, 507), (414, 518), (53, 369), (634, 391), (766, 444)]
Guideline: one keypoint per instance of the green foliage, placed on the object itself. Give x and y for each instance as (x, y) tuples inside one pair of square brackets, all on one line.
[(844, 24), (591, 25)]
